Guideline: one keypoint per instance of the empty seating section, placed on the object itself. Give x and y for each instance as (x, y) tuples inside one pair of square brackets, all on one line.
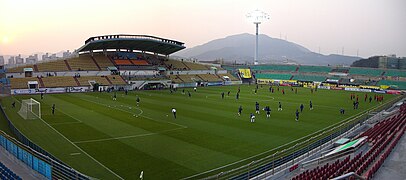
[(210, 77), (123, 62), (116, 80), (82, 63), (52, 66), (175, 79), (340, 70), (391, 72), (318, 69), (190, 78), (84, 80), (196, 66), (393, 84), (273, 76), (366, 71), (103, 61), (309, 78), (231, 77), (59, 81), (383, 137), (21, 83), (139, 62), (274, 67), (6, 173), (19, 69), (175, 65)]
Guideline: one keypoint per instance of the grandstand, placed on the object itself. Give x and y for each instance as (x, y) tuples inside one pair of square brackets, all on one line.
[(315, 69), (366, 71), (84, 80), (393, 84), (83, 63), (21, 83), (274, 76), (103, 61), (58, 81), (309, 78), (395, 73), (52, 66)]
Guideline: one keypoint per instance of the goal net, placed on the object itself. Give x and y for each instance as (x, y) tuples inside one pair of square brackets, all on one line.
[(30, 109)]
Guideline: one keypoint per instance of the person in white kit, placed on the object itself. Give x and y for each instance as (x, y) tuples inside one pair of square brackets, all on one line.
[(174, 112)]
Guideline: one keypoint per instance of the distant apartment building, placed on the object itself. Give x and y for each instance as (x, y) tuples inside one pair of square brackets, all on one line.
[(19, 59), (11, 60), (1, 60), (387, 62), (32, 59)]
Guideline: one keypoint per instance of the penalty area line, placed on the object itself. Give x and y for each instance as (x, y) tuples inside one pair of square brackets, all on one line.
[(80, 149)]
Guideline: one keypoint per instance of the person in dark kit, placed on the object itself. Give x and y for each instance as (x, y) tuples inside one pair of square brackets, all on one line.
[(311, 105), (239, 110), (353, 104), (270, 88), (280, 107), (228, 93), (13, 104), (237, 96), (190, 95), (239, 90), (301, 107), (268, 111), (138, 101), (183, 91), (42, 95), (342, 111), (256, 91), (53, 109), (297, 115), (222, 95), (114, 96), (283, 91), (126, 92), (174, 112), (257, 107), (370, 99)]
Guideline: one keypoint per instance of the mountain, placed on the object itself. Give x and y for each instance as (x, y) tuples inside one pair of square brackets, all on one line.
[(240, 48)]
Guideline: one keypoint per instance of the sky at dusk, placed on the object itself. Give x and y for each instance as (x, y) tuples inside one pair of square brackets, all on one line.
[(371, 27)]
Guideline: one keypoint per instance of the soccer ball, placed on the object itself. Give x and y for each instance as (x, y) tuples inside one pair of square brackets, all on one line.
[(167, 115), (129, 108)]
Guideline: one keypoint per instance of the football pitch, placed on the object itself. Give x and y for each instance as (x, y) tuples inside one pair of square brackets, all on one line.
[(109, 139)]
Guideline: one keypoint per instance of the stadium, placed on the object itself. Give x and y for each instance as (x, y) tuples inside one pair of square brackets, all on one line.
[(107, 113)]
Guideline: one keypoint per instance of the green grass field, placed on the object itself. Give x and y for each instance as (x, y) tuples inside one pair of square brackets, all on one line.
[(110, 139)]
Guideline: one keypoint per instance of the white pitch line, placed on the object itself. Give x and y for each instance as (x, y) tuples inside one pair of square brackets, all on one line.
[(127, 137), (183, 126), (84, 152), (65, 123)]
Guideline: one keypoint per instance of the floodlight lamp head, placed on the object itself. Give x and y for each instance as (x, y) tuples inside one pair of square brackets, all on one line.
[(257, 16)]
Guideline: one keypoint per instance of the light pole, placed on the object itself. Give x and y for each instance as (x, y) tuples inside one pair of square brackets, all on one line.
[(257, 17)]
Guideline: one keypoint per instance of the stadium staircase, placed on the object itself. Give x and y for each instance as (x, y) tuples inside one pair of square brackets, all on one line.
[(383, 73), (291, 77), (382, 138), (41, 82), (108, 79), (35, 68), (111, 60), (95, 62), (186, 65), (67, 65), (76, 80), (297, 69)]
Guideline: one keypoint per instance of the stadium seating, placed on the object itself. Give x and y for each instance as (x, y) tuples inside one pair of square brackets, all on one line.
[(309, 78), (189, 78), (52, 66), (175, 79), (139, 62), (393, 84), (19, 69), (175, 65), (123, 62), (116, 80), (21, 83), (210, 77), (366, 71), (84, 80), (396, 73), (274, 67), (59, 81), (103, 61), (383, 137), (196, 66), (6, 173), (83, 63), (318, 69), (232, 78), (340, 70), (273, 76)]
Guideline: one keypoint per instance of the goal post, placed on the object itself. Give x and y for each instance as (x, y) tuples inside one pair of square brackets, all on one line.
[(30, 109)]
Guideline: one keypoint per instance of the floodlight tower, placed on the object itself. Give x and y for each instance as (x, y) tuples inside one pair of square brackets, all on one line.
[(257, 17)]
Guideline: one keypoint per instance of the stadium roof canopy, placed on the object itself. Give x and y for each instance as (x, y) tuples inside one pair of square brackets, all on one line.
[(132, 42)]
